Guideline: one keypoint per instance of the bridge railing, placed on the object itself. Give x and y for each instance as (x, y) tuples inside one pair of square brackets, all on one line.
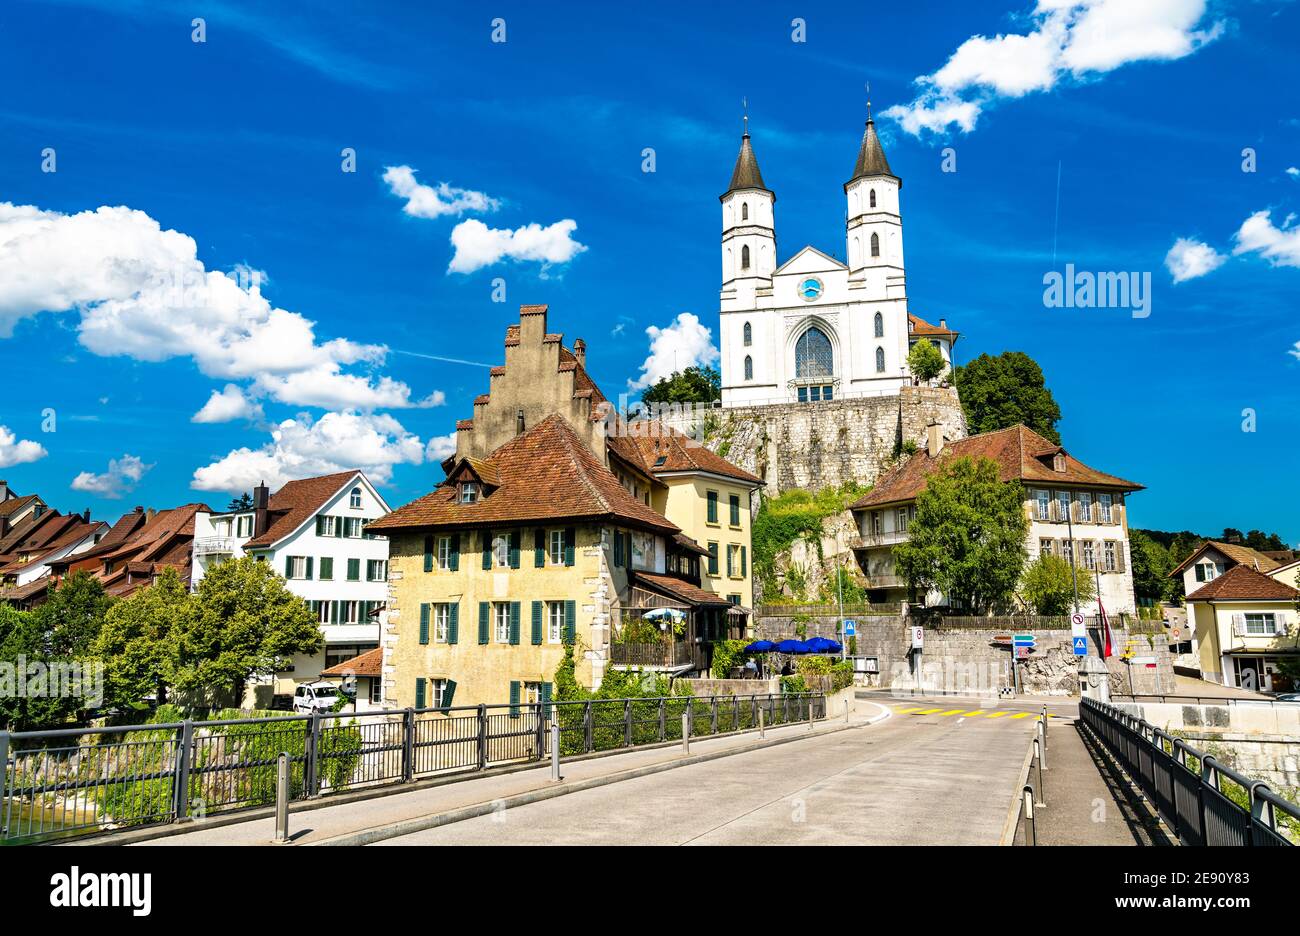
[(1202, 801), (77, 781)]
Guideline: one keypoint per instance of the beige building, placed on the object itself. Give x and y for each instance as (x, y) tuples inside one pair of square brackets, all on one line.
[(1244, 623), (1074, 511), (559, 524)]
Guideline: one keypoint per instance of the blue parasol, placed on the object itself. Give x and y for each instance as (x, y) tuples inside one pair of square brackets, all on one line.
[(792, 646), (823, 645), (761, 646)]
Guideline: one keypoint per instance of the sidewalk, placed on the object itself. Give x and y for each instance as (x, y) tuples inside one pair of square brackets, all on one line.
[(1087, 799), (430, 803)]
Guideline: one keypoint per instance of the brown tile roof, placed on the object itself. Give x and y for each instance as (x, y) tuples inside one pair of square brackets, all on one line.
[(370, 663), (35, 532), (690, 545), (295, 502), (1242, 583), (1239, 555), (680, 453), (547, 473), (1020, 453), (676, 588), (23, 592), (920, 326), (15, 504)]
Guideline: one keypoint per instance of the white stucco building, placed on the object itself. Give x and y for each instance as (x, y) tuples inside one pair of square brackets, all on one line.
[(815, 327), (313, 533)]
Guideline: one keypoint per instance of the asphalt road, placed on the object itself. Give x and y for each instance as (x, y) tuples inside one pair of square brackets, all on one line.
[(915, 778)]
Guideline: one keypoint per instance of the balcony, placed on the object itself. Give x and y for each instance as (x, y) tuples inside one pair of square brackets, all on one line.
[(665, 654), (214, 546), (874, 540)]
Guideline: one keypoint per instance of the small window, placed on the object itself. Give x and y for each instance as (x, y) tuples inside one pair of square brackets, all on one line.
[(1044, 547), (355, 500), (376, 570), (875, 245), (555, 622), (1062, 506), (1109, 556), (733, 502), (744, 211), (297, 567), (444, 553), (749, 367), (711, 507), (1104, 504), (880, 360), (1042, 504), (880, 325), (900, 520), (1085, 507), (744, 257), (469, 492), (872, 198), (441, 622), (244, 526), (501, 617), (557, 547), (713, 558), (749, 334)]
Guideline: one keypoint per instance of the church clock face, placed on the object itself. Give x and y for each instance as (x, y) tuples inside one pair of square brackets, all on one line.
[(810, 289)]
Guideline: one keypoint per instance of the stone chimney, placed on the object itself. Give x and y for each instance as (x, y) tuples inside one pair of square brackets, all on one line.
[(261, 513), (4, 490), (580, 351), (4, 527), (943, 323), (85, 515), (532, 325), (139, 509), (933, 440)]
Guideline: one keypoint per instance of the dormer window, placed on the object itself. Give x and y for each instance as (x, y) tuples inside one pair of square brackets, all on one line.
[(355, 499), (469, 492), (1058, 462)]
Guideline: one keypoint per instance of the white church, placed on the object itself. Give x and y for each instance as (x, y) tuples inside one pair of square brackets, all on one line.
[(815, 329)]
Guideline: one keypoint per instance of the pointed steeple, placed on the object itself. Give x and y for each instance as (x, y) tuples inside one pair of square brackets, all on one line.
[(746, 174), (871, 156)]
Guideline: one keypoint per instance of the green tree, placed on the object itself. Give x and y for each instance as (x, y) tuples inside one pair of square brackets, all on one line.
[(925, 361), (1047, 586), (998, 392), (135, 642), (243, 622), (693, 385), (968, 538), (24, 642), (72, 615), (242, 502), (1151, 564)]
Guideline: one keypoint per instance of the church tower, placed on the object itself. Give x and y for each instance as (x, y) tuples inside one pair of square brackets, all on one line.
[(873, 219), (748, 226)]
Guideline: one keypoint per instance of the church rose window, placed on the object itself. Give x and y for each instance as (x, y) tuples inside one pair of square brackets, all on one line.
[(812, 355)]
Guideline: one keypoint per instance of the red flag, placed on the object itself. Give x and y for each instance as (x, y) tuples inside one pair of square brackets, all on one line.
[(1107, 638)]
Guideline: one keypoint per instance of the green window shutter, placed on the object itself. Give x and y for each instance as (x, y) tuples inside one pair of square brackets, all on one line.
[(320, 525), (514, 549), (338, 612), (453, 560), (338, 527), (484, 613), (618, 549), (424, 623), (453, 624), (354, 570), (744, 562), (428, 554), (419, 692), (514, 623), (288, 566), (514, 698), (712, 502), (570, 622), (448, 693), (326, 568), (547, 711), (713, 558), (627, 549), (309, 564), (537, 622), (487, 549), (539, 548), (730, 571), (569, 537)]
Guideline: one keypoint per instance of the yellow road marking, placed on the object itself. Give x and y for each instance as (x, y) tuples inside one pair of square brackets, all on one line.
[(978, 711), (997, 714), (1022, 715), (955, 711), (929, 711), (904, 711)]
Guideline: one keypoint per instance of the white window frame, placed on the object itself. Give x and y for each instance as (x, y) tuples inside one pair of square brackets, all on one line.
[(325, 612), (531, 693), (436, 688), (900, 520), (555, 622), (501, 621), (1085, 507), (354, 499), (441, 622), (555, 547), (1089, 555), (444, 553), (1062, 506), (1261, 617), (1111, 556), (501, 550), (297, 568), (469, 492), (244, 525), (381, 565), (1042, 504), (351, 612), (1106, 503), (1045, 547)]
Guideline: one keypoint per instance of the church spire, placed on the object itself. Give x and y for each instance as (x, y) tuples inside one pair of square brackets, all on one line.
[(746, 174), (871, 155)]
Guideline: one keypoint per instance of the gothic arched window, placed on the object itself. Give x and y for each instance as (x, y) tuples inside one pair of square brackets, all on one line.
[(744, 256), (880, 325), (744, 211), (873, 198), (749, 334), (749, 367), (875, 245), (880, 360), (813, 356)]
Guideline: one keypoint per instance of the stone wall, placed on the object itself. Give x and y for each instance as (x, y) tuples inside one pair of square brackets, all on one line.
[(816, 445), (967, 660)]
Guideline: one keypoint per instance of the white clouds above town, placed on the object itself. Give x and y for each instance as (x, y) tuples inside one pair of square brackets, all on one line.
[(1190, 258), (477, 245), (15, 451), (304, 447), (687, 342), (1279, 246), (441, 447), (142, 292), (226, 405), (428, 201), (1069, 40), (122, 476)]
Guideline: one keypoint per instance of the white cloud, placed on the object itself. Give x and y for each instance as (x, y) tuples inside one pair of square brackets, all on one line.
[(142, 292), (1190, 258), (478, 245), (427, 201), (1279, 246), (16, 452), (226, 405), (122, 476), (302, 448), (1293, 172), (441, 447), (1069, 40), (685, 343)]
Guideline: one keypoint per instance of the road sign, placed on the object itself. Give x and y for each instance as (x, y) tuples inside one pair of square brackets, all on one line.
[(1077, 626), (1080, 646), (1023, 640), (918, 637), (850, 628), (1022, 651)]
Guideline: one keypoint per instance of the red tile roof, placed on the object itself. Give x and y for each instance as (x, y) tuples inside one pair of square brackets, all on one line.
[(1020, 453), (920, 326), (1237, 554), (1242, 583), (370, 663), (294, 503), (547, 473), (682, 453), (676, 588)]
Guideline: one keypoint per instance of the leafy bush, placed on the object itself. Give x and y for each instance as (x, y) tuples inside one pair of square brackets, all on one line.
[(727, 655)]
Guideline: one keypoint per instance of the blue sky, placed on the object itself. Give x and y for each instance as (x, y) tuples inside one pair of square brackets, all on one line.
[(236, 143)]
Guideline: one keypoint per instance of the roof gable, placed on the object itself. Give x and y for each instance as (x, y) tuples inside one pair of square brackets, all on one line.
[(1242, 583), (809, 260)]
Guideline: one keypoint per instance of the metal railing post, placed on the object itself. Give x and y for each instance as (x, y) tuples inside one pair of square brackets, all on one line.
[(181, 775), (627, 722), (846, 711), (686, 732), (663, 719), (588, 728), (1042, 740), (282, 799), (713, 715), (1039, 754), (1044, 720), (1031, 834), (762, 727), (541, 732), (810, 713), (482, 736), (555, 751), (4, 789), (408, 745), (313, 760)]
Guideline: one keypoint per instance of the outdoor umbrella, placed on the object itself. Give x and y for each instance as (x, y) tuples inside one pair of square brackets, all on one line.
[(792, 646), (669, 614), (760, 646), (823, 645)]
